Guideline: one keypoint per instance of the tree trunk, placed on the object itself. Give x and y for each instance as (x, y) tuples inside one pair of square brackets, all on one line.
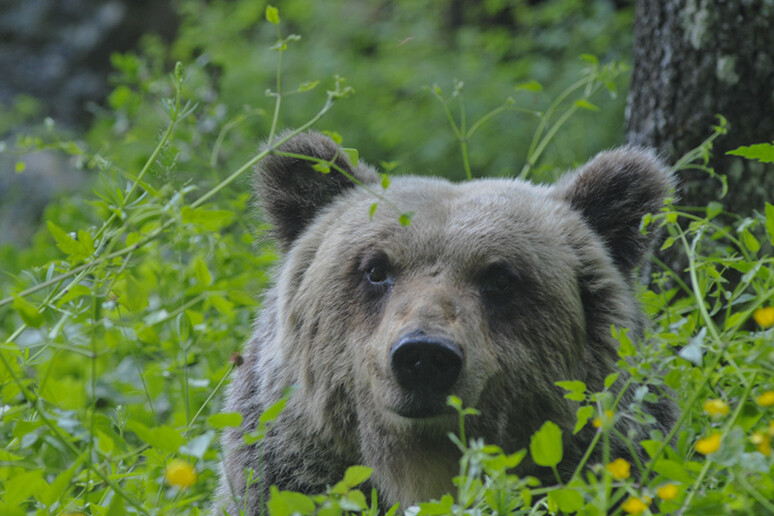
[(694, 59)]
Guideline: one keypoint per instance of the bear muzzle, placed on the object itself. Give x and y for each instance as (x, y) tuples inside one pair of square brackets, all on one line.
[(426, 368)]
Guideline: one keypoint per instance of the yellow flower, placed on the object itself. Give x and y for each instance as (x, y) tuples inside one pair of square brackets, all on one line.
[(709, 444), (634, 506), (667, 491), (598, 422), (766, 399), (619, 468), (764, 316), (180, 473), (762, 442), (715, 407)]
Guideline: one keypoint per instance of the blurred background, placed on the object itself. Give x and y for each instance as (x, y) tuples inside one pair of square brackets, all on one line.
[(93, 72)]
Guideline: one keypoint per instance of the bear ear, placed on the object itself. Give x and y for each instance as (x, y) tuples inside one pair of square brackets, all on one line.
[(613, 191), (291, 192)]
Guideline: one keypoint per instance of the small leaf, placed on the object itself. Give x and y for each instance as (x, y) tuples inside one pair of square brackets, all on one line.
[(763, 152), (529, 86), (28, 312), (405, 218), (714, 209), (567, 499), (750, 242), (353, 155), (229, 419), (545, 445), (325, 168), (585, 104), (306, 86), (610, 379), (209, 220), (288, 503), (770, 222), (272, 15), (583, 414), (356, 475), (385, 181), (19, 167), (575, 390), (372, 210), (198, 446), (201, 272), (333, 135)]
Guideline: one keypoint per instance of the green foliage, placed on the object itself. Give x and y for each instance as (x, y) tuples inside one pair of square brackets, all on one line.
[(122, 321)]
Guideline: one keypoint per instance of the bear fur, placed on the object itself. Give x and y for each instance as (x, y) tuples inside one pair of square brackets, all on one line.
[(497, 289)]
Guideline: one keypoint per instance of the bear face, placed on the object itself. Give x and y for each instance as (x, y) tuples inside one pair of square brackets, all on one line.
[(498, 289)]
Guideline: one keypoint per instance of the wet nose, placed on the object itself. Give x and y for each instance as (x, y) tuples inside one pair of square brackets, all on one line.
[(424, 363)]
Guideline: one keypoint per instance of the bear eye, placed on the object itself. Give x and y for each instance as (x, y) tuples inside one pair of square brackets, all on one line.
[(377, 274), (377, 271), (498, 282)]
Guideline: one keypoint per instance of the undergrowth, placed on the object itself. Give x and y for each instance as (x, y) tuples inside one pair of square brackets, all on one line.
[(121, 323)]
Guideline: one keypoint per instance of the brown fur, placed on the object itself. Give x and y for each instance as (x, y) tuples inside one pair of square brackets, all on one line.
[(568, 251)]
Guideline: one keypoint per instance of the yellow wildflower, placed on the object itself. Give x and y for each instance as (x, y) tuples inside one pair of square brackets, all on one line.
[(619, 468), (598, 422), (634, 505), (766, 399), (715, 407), (180, 473), (764, 316), (709, 444), (762, 442), (667, 491)]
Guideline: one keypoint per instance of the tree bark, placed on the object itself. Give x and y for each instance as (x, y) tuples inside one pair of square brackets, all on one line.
[(693, 60)]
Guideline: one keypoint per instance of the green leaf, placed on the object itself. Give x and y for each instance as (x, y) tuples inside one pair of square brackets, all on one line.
[(325, 168), (583, 414), (405, 218), (750, 242), (673, 471), (356, 475), (372, 210), (199, 445), (545, 445), (164, 438), (575, 390), (585, 104), (714, 209), (209, 220), (74, 292), (201, 272), (23, 485), (352, 154), (763, 152), (385, 181), (529, 86), (333, 135), (306, 86), (567, 499), (610, 379), (441, 507), (229, 419), (287, 503), (272, 15), (75, 250), (59, 486), (28, 312), (20, 167), (770, 222)]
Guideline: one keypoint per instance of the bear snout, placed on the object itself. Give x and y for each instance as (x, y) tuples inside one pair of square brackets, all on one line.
[(426, 366)]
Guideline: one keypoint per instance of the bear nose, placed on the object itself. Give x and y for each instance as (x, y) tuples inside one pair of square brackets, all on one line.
[(423, 363)]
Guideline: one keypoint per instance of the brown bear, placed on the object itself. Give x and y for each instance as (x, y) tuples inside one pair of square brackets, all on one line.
[(497, 289)]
